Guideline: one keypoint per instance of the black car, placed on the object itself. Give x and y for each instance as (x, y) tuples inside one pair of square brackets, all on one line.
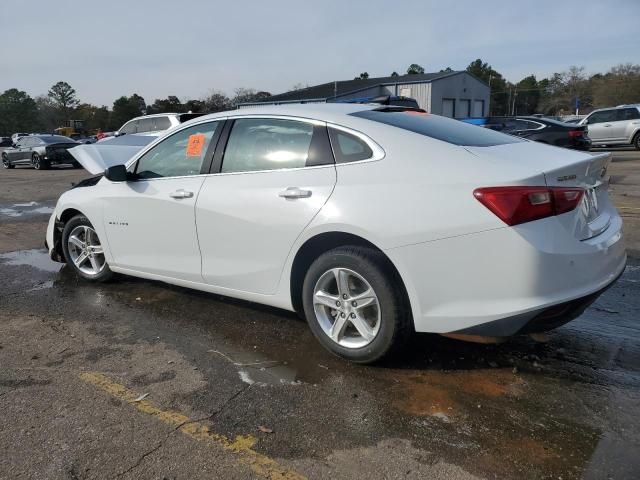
[(543, 130), (40, 152)]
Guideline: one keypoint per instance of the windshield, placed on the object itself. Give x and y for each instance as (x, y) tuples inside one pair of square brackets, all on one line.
[(441, 128)]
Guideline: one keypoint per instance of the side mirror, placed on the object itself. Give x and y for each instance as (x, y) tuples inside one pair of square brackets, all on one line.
[(117, 173)]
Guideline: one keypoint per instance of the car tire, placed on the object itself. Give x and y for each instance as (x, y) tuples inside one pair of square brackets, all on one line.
[(6, 163), (366, 276), (636, 141), (39, 163), (83, 251)]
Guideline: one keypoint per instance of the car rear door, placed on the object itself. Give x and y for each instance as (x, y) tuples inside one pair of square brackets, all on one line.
[(150, 220), (627, 121), (274, 177)]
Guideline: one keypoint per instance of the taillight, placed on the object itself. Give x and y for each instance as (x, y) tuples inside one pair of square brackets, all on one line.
[(516, 205), (576, 133)]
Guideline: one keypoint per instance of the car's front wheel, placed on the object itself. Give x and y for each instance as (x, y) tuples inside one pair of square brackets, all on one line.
[(38, 162), (636, 141), (5, 162), (354, 304), (83, 250)]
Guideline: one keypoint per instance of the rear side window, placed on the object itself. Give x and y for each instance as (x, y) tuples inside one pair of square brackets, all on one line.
[(162, 123), (440, 128), (347, 147), (145, 125), (257, 144), (628, 114)]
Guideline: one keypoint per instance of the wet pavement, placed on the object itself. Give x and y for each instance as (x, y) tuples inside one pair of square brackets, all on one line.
[(138, 379)]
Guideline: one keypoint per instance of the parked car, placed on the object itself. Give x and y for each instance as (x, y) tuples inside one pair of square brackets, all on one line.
[(614, 126), (5, 142), (386, 100), (371, 221), (538, 128), (40, 152), (155, 122), (16, 136)]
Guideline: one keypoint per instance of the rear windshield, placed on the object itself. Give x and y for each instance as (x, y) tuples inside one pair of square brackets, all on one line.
[(440, 128)]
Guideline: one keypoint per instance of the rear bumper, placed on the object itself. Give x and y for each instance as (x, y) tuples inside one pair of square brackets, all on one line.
[(537, 321), (508, 280)]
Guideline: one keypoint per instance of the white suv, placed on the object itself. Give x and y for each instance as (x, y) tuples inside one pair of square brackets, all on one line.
[(614, 126), (155, 123)]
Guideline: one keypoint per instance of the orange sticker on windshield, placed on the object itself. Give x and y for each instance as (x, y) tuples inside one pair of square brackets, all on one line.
[(195, 145)]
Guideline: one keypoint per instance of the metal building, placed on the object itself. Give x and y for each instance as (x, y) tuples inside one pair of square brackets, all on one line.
[(452, 94)]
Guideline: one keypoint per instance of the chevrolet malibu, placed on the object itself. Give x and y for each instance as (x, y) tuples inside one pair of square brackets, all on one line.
[(371, 221)]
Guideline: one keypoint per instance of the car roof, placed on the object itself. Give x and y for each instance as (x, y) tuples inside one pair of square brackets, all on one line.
[(329, 112)]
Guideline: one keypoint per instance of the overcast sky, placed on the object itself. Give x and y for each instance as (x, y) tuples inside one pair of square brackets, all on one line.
[(188, 48)]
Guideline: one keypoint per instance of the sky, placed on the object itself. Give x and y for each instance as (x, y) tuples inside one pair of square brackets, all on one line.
[(190, 48)]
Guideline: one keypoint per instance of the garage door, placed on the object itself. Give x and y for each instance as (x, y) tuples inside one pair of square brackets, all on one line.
[(478, 108), (448, 107)]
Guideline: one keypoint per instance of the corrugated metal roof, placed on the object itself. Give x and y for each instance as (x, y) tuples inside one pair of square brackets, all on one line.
[(329, 89)]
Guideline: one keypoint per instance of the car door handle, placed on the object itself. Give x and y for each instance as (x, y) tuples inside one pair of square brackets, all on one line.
[(295, 192), (181, 194)]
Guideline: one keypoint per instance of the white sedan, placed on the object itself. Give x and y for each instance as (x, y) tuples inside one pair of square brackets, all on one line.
[(371, 221)]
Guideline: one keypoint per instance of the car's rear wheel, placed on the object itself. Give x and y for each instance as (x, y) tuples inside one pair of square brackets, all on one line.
[(636, 141), (38, 162), (5, 162), (83, 250), (354, 304)]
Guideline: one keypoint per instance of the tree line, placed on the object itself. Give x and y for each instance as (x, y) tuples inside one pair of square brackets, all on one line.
[(556, 95), (21, 113)]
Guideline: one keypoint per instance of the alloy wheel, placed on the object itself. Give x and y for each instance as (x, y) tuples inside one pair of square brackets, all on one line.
[(347, 308), (35, 160), (85, 250)]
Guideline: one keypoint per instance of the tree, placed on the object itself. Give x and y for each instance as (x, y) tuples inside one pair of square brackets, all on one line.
[(362, 76), (446, 70), (394, 74), (216, 102), (194, 106), (618, 86), (63, 97), (48, 115), (501, 90), (166, 105), (414, 68), (299, 86), (126, 108), (528, 96), (18, 112), (559, 92), (247, 95)]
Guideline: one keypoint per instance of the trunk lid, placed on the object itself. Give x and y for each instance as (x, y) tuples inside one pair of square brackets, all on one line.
[(564, 168)]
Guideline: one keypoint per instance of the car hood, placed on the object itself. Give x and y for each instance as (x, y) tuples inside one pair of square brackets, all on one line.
[(97, 157)]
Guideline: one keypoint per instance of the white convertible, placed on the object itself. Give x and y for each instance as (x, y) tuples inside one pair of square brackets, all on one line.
[(372, 221)]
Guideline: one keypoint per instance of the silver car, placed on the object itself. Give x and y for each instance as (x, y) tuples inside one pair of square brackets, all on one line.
[(614, 126)]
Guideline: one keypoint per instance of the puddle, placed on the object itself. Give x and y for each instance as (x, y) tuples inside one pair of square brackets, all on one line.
[(17, 210), (36, 258), (255, 369)]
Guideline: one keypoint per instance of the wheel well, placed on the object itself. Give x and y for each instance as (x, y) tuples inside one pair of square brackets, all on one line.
[(316, 246), (67, 215)]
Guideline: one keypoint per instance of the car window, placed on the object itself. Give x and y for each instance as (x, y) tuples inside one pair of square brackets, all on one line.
[(267, 144), (162, 123), (347, 147), (602, 116), (129, 128), (145, 125), (627, 114), (438, 127), (25, 142), (181, 154)]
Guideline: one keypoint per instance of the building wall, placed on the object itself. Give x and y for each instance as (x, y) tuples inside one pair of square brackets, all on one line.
[(454, 91), (420, 91)]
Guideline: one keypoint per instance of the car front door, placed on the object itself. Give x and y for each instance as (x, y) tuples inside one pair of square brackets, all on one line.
[(150, 220), (274, 177), (22, 155), (599, 125)]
